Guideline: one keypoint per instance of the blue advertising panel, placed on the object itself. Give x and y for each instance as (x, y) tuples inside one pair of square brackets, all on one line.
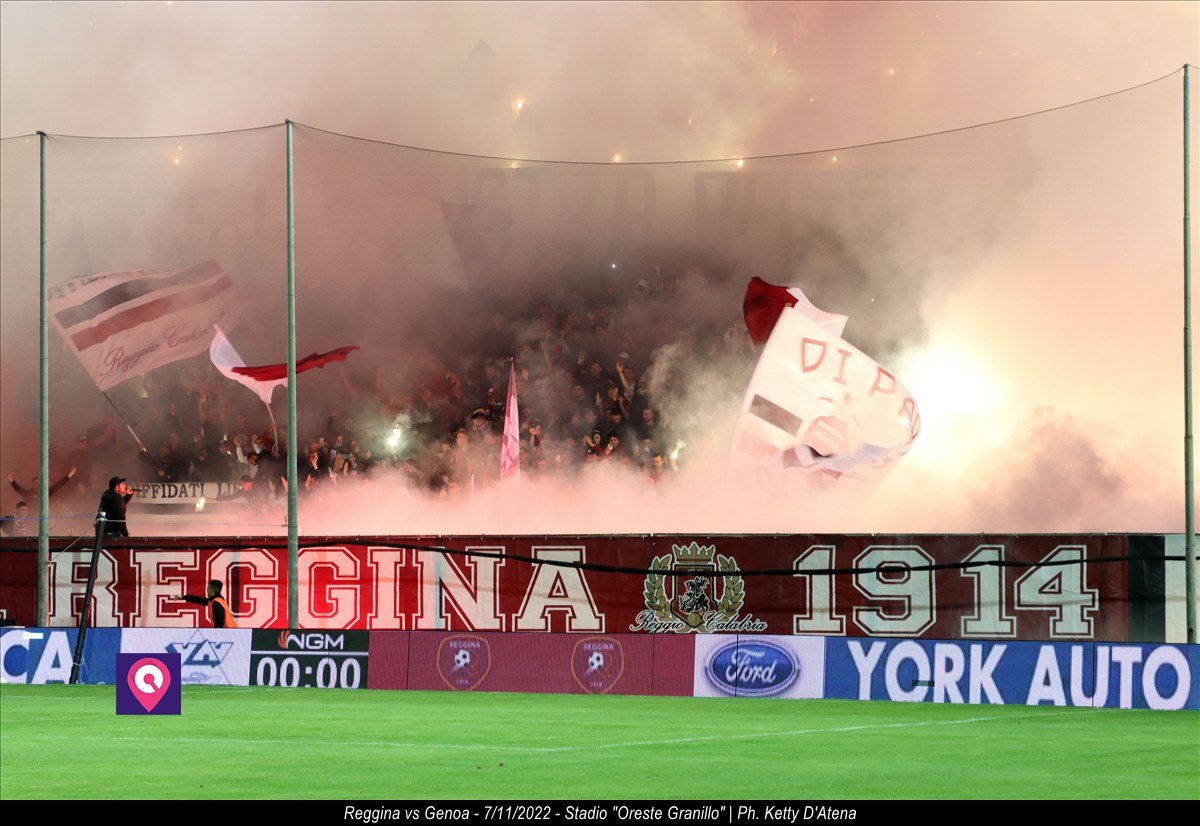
[(44, 655), (1100, 675)]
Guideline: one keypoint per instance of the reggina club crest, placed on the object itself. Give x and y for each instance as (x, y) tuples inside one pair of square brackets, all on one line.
[(685, 604)]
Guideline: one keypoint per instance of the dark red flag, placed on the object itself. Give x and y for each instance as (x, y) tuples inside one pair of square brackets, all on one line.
[(764, 303), (275, 372)]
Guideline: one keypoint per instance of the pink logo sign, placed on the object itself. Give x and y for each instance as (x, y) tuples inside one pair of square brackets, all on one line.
[(149, 678)]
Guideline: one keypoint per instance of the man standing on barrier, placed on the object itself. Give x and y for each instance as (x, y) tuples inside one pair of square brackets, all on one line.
[(113, 503), (218, 609)]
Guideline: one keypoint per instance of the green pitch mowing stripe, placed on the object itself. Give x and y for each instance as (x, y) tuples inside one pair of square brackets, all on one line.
[(281, 743)]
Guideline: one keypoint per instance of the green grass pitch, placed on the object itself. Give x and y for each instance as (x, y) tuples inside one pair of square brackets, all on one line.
[(66, 742)]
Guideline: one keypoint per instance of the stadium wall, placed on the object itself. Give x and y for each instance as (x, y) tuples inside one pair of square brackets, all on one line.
[(1055, 587), (1091, 674)]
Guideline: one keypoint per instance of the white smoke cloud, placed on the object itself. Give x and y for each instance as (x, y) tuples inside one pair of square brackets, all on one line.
[(1027, 293)]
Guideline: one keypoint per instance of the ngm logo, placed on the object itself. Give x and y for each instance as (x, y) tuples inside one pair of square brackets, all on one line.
[(311, 641)]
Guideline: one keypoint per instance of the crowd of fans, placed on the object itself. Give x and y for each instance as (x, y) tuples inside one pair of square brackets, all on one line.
[(592, 386)]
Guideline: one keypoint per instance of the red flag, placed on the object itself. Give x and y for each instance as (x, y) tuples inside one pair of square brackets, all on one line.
[(275, 372), (510, 446), (764, 302)]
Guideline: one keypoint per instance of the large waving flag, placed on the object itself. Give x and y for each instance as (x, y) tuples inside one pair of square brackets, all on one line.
[(264, 379), (227, 360), (276, 372), (816, 403), (123, 324), (510, 445)]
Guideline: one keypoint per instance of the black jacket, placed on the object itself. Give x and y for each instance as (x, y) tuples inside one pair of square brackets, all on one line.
[(113, 505)]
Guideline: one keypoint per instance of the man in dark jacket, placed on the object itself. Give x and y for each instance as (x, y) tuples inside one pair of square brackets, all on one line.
[(32, 493), (113, 502), (19, 524)]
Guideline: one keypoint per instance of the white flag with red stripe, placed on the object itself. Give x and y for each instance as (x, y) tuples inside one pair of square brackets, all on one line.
[(225, 358), (123, 324), (816, 403), (510, 446)]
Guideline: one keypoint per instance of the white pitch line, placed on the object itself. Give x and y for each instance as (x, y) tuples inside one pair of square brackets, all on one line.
[(7, 698), (803, 731), (208, 689), (229, 741)]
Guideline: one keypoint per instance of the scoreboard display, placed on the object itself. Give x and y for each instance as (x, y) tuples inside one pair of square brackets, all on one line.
[(309, 659)]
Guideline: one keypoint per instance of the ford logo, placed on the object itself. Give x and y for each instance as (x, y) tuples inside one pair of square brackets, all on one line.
[(752, 669)]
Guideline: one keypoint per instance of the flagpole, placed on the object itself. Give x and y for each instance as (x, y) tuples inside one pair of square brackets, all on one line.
[(123, 419), (274, 429), (43, 552), (293, 490), (1189, 488)]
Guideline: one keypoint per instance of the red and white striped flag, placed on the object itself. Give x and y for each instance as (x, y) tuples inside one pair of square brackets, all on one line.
[(123, 324), (510, 446)]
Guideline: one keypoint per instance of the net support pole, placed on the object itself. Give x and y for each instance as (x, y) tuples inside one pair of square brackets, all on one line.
[(43, 492), (293, 477), (1189, 485)]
